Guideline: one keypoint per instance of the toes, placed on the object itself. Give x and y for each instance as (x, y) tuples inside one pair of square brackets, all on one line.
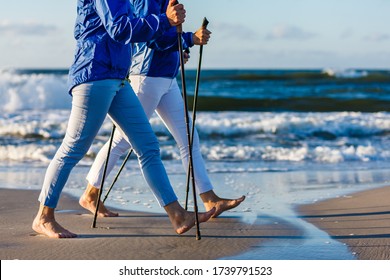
[(109, 214), (66, 234), (183, 229), (236, 202), (227, 204)]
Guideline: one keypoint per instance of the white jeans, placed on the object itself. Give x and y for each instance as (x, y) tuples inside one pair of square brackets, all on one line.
[(90, 104), (163, 96)]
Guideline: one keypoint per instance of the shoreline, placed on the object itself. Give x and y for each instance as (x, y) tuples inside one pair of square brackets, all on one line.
[(361, 220), (133, 235)]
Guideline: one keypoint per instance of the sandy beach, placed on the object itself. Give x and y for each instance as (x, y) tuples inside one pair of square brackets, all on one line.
[(361, 220), (133, 235)]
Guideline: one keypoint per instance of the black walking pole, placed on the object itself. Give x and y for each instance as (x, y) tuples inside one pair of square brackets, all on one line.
[(104, 176), (179, 30), (117, 174), (204, 25)]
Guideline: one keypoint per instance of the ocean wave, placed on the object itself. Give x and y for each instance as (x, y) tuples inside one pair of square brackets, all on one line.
[(225, 136), (220, 153), (27, 124), (299, 125), (244, 116), (51, 124), (345, 73), (27, 153), (21, 90), (319, 154)]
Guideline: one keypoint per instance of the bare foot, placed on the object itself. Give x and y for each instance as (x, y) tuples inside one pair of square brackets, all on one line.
[(88, 201), (210, 200), (187, 221), (90, 205), (182, 220), (45, 224)]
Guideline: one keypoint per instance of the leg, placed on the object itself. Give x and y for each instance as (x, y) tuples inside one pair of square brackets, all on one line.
[(90, 105), (89, 198), (127, 112), (149, 95), (45, 224), (183, 220), (171, 111)]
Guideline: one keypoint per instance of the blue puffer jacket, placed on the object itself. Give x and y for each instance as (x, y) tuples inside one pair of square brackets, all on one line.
[(104, 30), (158, 57)]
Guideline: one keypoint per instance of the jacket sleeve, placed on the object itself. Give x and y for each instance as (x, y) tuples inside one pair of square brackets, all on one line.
[(168, 41), (119, 22), (188, 41)]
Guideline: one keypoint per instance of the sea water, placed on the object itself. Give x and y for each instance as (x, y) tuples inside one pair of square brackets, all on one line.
[(281, 137)]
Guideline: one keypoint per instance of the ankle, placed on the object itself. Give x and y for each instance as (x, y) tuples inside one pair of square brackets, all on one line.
[(91, 193), (175, 211), (45, 214), (209, 197)]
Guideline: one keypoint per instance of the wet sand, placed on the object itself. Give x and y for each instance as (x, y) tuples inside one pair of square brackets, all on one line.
[(133, 235), (360, 220)]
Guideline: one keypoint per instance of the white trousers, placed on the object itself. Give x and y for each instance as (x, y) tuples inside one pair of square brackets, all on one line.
[(163, 96)]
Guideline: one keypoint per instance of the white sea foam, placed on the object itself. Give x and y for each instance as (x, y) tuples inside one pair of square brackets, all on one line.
[(345, 73), (303, 124), (30, 152), (237, 136), (41, 124), (32, 91)]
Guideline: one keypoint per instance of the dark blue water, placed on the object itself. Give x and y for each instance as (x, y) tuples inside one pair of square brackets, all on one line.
[(293, 90)]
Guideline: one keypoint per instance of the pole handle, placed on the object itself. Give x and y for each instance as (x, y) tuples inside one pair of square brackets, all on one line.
[(179, 28), (205, 22)]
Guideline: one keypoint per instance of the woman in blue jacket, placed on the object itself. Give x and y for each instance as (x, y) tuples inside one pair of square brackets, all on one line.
[(104, 30), (155, 65)]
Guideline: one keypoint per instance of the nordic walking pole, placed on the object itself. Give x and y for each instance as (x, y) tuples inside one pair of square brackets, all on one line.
[(179, 30), (104, 176), (204, 25), (117, 174)]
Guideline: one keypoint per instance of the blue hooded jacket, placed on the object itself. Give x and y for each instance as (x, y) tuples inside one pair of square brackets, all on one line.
[(104, 30), (158, 57)]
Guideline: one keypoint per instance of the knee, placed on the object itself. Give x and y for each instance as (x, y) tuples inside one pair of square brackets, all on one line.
[(148, 152), (120, 147), (71, 154), (184, 149), (150, 157)]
